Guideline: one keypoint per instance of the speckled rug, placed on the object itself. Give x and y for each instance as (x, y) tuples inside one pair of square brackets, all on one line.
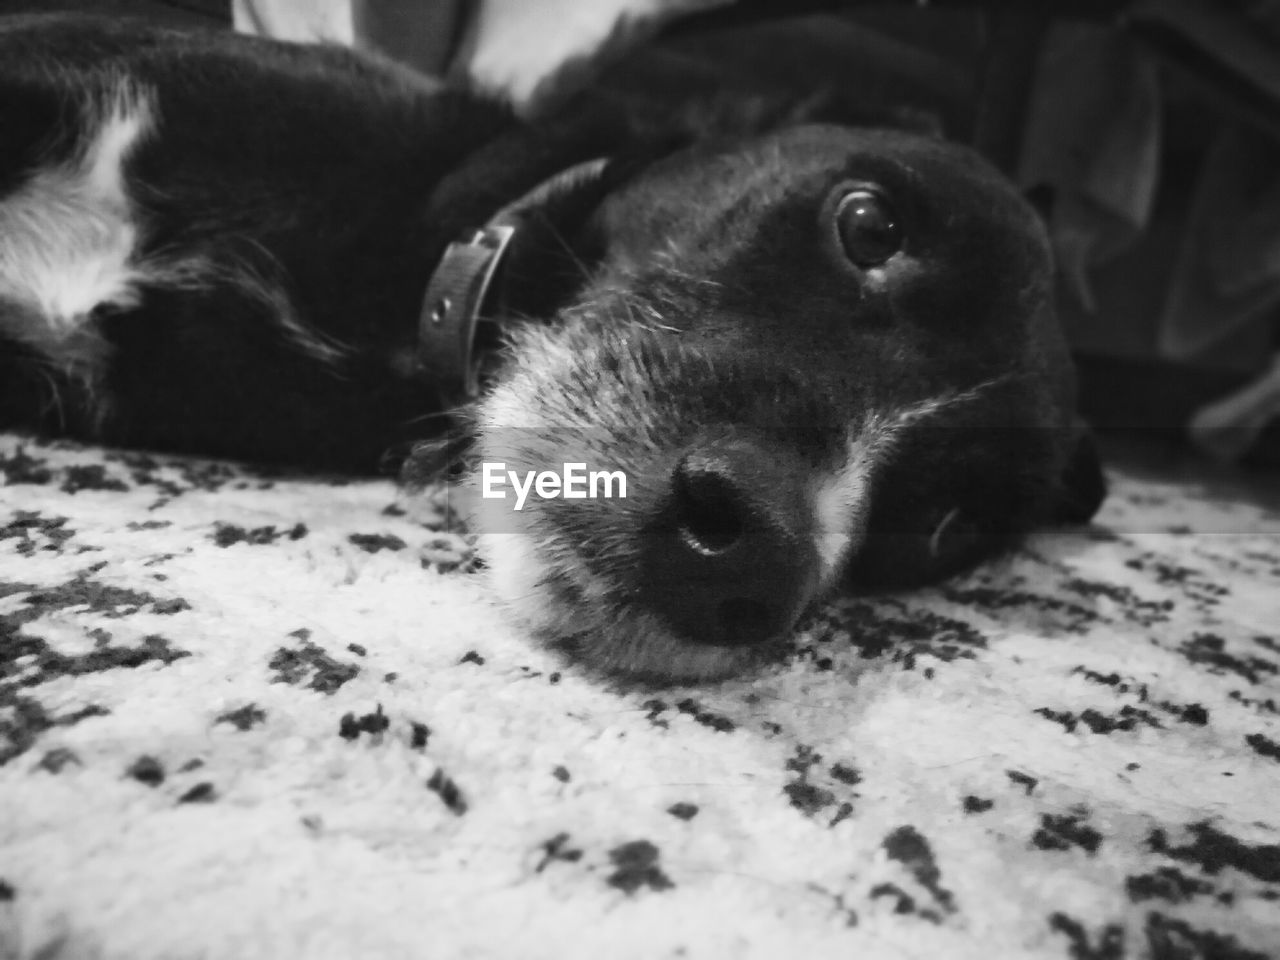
[(259, 717)]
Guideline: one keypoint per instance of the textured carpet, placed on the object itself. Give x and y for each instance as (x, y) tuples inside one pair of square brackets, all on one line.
[(247, 717)]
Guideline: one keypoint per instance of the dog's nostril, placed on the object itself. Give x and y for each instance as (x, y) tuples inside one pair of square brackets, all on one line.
[(709, 513), (730, 561)]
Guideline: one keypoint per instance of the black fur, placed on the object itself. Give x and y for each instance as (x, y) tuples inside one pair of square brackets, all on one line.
[(338, 182), (338, 179)]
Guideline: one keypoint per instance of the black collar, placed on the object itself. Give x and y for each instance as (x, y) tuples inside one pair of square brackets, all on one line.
[(460, 294)]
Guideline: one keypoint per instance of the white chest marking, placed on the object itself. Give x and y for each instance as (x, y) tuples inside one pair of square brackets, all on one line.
[(68, 236)]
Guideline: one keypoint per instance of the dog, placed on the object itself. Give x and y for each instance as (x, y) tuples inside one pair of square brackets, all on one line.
[(818, 355)]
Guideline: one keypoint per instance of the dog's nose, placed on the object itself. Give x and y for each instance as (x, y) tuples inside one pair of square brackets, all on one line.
[(733, 563)]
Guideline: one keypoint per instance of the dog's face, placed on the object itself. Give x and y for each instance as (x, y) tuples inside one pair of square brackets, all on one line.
[(810, 355), (814, 353)]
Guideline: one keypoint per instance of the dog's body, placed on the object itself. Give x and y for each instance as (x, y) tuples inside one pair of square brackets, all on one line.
[(814, 351), (219, 245)]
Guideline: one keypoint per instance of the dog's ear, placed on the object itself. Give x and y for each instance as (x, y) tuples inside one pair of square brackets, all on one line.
[(1082, 486), (550, 252)]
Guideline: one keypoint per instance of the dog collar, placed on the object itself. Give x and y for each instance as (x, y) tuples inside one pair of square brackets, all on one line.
[(460, 295)]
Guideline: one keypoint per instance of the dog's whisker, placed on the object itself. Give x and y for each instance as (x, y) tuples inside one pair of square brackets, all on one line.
[(935, 538)]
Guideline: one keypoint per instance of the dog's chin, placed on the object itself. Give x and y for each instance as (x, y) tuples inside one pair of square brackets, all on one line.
[(547, 591)]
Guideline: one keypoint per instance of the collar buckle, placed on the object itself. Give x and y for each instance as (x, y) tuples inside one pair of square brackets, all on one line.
[(454, 306)]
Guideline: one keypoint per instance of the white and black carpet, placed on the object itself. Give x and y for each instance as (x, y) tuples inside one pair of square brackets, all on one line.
[(259, 717)]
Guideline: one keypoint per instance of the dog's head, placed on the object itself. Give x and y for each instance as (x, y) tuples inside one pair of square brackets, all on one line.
[(813, 355)]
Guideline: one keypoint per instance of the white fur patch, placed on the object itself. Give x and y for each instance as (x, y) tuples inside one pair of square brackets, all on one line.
[(840, 506), (514, 571), (70, 242), (841, 499), (68, 236)]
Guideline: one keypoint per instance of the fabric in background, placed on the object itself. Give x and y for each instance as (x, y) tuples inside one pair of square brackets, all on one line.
[(422, 34), (1228, 272), (1093, 136), (516, 49)]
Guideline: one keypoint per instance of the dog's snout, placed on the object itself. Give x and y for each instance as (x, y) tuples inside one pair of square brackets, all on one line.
[(733, 565)]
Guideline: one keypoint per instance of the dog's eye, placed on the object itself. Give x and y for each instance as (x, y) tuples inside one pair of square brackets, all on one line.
[(870, 231)]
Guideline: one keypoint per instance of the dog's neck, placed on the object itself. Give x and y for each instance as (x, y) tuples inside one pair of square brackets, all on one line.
[(465, 305)]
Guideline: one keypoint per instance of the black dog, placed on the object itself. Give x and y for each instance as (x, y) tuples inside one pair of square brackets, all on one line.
[(815, 353)]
